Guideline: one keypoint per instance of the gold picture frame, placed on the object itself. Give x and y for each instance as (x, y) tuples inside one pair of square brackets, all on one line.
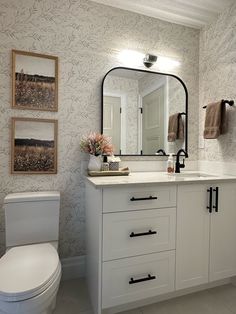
[(34, 146), (34, 81)]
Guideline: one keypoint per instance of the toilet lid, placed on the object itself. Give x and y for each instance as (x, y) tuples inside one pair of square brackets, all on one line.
[(26, 271)]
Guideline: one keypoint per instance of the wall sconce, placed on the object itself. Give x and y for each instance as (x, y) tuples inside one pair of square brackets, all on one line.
[(149, 60), (134, 58)]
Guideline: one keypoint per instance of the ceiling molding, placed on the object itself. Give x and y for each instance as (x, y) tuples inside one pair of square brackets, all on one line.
[(196, 14)]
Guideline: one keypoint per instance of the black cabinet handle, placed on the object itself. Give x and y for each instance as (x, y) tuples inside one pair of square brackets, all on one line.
[(210, 199), (216, 199), (149, 277), (134, 199), (150, 232)]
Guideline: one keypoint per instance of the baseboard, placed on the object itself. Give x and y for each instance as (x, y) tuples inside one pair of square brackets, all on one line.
[(73, 267)]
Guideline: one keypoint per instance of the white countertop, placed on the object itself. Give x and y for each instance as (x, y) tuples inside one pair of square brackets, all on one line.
[(157, 178)]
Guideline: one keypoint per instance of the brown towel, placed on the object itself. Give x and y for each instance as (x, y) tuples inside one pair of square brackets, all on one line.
[(215, 120), (175, 127)]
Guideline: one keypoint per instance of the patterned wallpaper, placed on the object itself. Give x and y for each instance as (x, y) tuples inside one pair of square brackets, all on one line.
[(86, 37), (218, 81)]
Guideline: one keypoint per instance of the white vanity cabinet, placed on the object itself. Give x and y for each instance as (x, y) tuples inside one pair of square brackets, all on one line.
[(148, 240), (205, 249), (131, 238)]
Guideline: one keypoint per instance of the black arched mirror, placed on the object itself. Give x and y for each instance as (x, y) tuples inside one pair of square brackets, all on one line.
[(144, 112)]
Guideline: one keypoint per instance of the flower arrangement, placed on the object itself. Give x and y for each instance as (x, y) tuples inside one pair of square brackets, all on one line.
[(96, 144)]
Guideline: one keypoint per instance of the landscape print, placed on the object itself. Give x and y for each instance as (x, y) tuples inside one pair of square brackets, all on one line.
[(34, 146), (34, 81)]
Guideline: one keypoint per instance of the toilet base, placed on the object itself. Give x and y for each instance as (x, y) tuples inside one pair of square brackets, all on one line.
[(43, 303), (49, 310)]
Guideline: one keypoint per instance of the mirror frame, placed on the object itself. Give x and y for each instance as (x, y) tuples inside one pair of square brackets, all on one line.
[(160, 73)]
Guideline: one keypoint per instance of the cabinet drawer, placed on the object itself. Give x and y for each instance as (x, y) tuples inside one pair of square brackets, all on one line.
[(138, 232), (123, 199), (136, 278)]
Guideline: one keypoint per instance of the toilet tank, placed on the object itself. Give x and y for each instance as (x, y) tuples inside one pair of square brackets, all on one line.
[(31, 217)]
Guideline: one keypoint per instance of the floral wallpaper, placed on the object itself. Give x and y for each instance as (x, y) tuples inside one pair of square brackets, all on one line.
[(218, 81), (87, 38)]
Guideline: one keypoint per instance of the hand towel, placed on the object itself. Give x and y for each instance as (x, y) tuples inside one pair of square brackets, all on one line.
[(175, 127), (215, 120)]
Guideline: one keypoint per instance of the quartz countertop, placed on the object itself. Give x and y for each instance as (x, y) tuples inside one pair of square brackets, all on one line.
[(158, 178)]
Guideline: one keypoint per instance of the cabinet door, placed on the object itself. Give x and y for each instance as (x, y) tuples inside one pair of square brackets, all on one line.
[(223, 234), (192, 247)]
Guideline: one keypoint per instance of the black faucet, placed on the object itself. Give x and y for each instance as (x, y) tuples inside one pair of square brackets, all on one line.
[(178, 165), (161, 151)]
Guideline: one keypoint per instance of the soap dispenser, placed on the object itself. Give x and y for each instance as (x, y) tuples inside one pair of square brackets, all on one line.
[(170, 164), (105, 164)]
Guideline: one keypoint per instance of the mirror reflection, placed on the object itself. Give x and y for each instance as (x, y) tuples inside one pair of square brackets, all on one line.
[(144, 112)]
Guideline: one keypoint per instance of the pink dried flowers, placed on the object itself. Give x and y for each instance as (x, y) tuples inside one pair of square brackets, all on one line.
[(96, 144)]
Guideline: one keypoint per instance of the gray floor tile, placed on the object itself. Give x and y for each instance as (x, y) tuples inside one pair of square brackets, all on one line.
[(73, 299), (135, 311), (226, 295), (197, 303)]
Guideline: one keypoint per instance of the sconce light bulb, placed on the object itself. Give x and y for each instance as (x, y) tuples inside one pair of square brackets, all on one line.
[(130, 57), (165, 63)]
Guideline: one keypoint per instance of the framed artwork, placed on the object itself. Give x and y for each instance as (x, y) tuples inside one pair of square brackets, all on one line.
[(34, 146), (34, 81)]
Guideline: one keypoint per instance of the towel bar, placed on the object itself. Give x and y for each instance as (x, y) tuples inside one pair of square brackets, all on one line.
[(229, 102)]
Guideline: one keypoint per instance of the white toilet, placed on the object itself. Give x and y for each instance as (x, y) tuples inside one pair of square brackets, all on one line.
[(30, 270)]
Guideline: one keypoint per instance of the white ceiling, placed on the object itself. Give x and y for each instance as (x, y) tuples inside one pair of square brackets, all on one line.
[(193, 13)]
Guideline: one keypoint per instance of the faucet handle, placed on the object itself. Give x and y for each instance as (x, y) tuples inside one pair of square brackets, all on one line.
[(183, 164)]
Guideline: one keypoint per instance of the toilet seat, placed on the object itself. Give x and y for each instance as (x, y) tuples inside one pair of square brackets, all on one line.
[(26, 271)]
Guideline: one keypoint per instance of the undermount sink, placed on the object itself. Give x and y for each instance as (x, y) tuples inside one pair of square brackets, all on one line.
[(193, 175)]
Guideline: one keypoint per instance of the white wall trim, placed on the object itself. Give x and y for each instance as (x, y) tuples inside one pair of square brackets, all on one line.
[(73, 267)]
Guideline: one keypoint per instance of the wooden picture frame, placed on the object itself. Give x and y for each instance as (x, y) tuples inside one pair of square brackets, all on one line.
[(34, 146), (34, 81)]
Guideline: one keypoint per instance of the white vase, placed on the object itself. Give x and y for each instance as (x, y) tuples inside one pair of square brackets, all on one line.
[(95, 163)]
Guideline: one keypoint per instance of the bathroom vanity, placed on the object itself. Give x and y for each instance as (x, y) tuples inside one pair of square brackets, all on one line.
[(153, 234)]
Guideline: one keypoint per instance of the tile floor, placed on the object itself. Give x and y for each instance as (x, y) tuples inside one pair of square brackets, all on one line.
[(73, 299)]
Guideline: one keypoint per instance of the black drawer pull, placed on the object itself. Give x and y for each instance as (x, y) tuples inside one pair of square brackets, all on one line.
[(149, 277), (216, 199), (150, 232), (210, 200), (134, 199)]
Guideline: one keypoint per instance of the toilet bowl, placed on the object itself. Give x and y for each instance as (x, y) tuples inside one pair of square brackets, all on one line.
[(30, 277), (30, 273)]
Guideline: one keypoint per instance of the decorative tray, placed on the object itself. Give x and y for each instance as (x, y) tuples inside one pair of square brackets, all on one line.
[(120, 172)]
